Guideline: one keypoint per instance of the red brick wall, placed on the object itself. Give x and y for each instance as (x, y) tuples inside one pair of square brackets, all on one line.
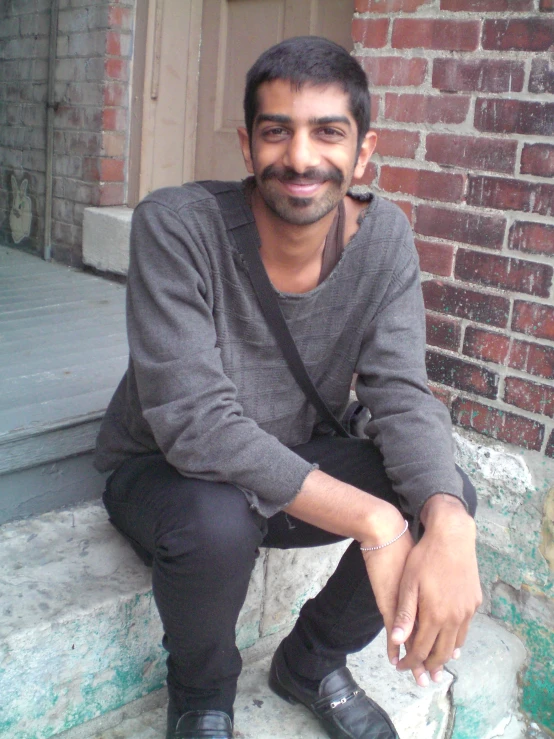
[(91, 125), (464, 105)]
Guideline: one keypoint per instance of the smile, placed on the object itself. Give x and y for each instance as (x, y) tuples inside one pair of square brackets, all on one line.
[(301, 189)]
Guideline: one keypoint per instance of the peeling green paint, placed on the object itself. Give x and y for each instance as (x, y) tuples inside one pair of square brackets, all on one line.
[(538, 681)]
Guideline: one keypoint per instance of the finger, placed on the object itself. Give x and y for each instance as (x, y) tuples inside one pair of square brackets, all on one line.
[(406, 612), (421, 647), (442, 649), (462, 635), (420, 676), (457, 653)]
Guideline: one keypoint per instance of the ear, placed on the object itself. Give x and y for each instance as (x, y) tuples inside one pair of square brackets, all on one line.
[(366, 150), (245, 147), (15, 187), (24, 187)]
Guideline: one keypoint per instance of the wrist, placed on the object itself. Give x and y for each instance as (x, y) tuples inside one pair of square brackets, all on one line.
[(444, 515), (382, 525)]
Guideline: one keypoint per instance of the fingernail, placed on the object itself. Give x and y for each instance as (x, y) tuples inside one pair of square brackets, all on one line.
[(394, 661), (457, 653), (423, 681), (397, 633), (437, 676)]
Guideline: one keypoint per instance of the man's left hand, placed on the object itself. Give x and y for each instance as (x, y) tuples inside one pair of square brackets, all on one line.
[(439, 591)]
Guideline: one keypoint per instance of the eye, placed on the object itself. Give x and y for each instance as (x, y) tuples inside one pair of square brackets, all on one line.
[(275, 133), (329, 133)]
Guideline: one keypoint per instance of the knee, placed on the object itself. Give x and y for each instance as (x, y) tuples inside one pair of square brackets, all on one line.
[(215, 529)]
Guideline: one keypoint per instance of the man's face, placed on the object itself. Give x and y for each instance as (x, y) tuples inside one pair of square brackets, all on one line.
[(303, 152)]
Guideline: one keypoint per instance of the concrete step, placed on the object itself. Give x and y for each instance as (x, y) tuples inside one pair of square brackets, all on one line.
[(80, 638)]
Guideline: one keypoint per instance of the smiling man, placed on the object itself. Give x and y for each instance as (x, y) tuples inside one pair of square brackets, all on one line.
[(216, 449)]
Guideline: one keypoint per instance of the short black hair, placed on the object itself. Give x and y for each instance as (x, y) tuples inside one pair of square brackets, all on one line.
[(310, 60)]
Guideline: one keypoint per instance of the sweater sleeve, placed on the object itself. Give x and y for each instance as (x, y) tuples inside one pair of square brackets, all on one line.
[(408, 424), (186, 398)]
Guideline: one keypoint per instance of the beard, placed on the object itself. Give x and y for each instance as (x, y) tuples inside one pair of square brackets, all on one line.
[(301, 211)]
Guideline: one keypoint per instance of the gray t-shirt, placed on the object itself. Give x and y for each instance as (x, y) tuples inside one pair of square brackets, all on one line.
[(207, 384)]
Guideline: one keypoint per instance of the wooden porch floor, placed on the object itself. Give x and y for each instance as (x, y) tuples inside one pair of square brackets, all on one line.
[(63, 349)]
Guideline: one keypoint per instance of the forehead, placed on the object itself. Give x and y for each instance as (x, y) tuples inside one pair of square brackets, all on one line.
[(280, 97)]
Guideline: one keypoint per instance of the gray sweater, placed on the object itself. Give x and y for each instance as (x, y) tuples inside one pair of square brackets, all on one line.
[(208, 386)]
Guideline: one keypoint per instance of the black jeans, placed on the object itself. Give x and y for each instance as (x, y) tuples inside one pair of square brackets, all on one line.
[(202, 539)]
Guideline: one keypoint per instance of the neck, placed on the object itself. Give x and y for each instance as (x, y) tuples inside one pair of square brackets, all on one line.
[(286, 246)]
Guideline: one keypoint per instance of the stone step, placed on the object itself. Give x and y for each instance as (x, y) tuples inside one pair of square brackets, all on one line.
[(80, 638)]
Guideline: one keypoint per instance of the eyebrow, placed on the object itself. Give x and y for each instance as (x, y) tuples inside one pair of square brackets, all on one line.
[(285, 119)]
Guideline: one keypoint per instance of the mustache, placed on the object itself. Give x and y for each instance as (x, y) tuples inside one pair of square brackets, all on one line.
[(313, 174)]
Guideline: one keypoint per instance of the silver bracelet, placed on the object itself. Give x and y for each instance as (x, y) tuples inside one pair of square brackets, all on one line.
[(382, 546)]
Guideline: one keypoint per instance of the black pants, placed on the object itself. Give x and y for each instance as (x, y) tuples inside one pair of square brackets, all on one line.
[(202, 539)]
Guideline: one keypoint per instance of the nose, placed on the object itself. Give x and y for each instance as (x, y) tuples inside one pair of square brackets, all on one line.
[(301, 153)]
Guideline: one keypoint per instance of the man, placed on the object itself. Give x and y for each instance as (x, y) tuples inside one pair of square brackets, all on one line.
[(216, 449)]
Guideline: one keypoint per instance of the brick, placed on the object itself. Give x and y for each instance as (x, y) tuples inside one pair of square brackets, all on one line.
[(507, 194), (113, 144), (471, 152), (389, 6), (112, 170), (535, 238), (111, 193), (549, 451), (92, 43), (393, 71), (451, 35), (429, 109), (114, 119), (518, 34), (541, 78), (478, 75), (443, 332), (458, 301), (119, 17), (113, 43), (397, 143), (115, 93), (82, 143), (487, 6), (534, 319), (498, 424), (504, 273), (460, 225), (462, 375), (538, 159), (90, 169), (530, 396), (422, 183), (117, 69), (546, 6), (486, 345), (370, 33), (514, 116), (435, 257), (534, 359)]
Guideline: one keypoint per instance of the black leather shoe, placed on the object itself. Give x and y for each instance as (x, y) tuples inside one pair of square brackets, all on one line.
[(201, 725), (340, 704)]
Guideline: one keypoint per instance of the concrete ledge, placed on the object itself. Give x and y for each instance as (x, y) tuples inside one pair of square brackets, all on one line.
[(106, 234), (79, 631), (80, 637)]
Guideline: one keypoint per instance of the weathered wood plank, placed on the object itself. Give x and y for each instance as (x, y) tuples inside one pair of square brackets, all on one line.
[(24, 450)]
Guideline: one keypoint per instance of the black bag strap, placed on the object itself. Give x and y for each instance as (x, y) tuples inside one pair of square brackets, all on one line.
[(243, 233)]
